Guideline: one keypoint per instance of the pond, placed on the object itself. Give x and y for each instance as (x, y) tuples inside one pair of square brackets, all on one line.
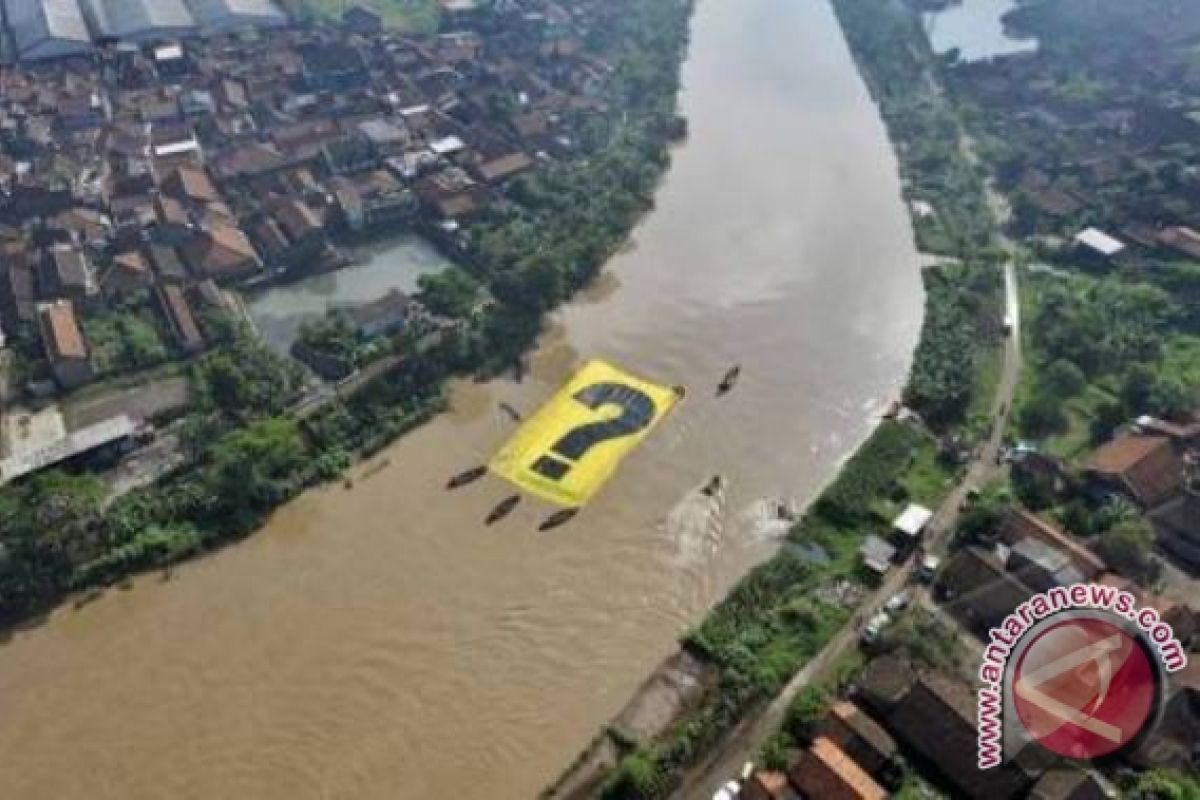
[(976, 29), (280, 310)]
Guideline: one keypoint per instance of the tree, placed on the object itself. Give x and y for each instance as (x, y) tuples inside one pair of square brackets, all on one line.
[(250, 464), (1127, 547), (1064, 379), (1043, 415), (982, 519), (450, 293), (245, 380), (1172, 397), (805, 713), (1137, 388), (1165, 784), (1108, 417)]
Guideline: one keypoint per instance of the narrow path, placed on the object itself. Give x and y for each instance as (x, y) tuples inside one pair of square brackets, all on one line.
[(741, 744)]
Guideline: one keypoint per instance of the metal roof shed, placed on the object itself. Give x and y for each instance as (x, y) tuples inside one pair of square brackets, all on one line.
[(877, 554), (139, 20), (48, 28)]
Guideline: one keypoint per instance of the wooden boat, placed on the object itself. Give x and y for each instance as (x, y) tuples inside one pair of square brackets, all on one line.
[(730, 379), (503, 509), (463, 478), (560, 517)]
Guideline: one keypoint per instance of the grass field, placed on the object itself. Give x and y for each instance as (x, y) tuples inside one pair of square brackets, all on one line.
[(418, 16)]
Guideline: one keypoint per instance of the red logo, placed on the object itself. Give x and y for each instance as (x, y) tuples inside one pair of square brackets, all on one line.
[(1084, 687)]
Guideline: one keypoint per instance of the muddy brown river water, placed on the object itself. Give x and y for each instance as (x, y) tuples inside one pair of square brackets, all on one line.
[(379, 641)]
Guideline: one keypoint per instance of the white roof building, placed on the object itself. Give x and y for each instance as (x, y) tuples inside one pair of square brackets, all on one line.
[(69, 446), (913, 520), (139, 20), (1099, 242), (48, 28), (221, 16)]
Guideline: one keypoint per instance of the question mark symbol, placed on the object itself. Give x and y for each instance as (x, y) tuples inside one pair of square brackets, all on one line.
[(637, 412)]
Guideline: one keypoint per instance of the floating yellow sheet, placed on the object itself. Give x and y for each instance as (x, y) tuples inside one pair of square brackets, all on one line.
[(567, 450)]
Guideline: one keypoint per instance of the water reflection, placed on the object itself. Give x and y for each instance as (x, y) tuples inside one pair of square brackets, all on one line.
[(280, 310)]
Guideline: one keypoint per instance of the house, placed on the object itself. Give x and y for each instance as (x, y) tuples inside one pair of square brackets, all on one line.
[(451, 193), (333, 66), (978, 590), (225, 16), (180, 318), (1040, 566), (883, 684), (128, 274), (166, 262), (825, 771), (1021, 524), (1146, 468), (1182, 435), (1184, 241), (358, 19), (1172, 743), (937, 720), (66, 273), (461, 12), (877, 554), (223, 252), (907, 528), (383, 317), (502, 168), (861, 738), (764, 785), (18, 287), (1095, 245), (1178, 526), (191, 184), (65, 347), (1070, 783)]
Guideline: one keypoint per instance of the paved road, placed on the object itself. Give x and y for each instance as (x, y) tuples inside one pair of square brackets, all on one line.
[(741, 744)]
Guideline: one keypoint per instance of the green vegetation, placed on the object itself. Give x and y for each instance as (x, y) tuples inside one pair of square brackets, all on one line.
[(773, 621), (123, 342), (246, 455), (1100, 352), (1163, 784), (416, 16), (894, 55), (962, 323)]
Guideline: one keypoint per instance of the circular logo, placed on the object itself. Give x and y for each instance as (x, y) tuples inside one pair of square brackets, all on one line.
[(1084, 687)]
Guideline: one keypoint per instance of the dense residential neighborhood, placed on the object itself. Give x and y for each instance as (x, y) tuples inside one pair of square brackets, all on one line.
[(156, 158)]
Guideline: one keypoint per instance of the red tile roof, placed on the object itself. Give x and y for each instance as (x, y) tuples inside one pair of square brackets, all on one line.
[(1146, 466)]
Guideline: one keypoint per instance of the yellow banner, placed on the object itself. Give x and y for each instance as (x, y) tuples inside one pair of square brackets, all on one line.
[(567, 450)]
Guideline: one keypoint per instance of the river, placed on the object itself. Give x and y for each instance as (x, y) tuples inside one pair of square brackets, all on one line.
[(379, 641)]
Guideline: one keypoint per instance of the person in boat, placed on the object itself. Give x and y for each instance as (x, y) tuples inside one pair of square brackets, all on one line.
[(730, 379), (712, 487), (503, 509)]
